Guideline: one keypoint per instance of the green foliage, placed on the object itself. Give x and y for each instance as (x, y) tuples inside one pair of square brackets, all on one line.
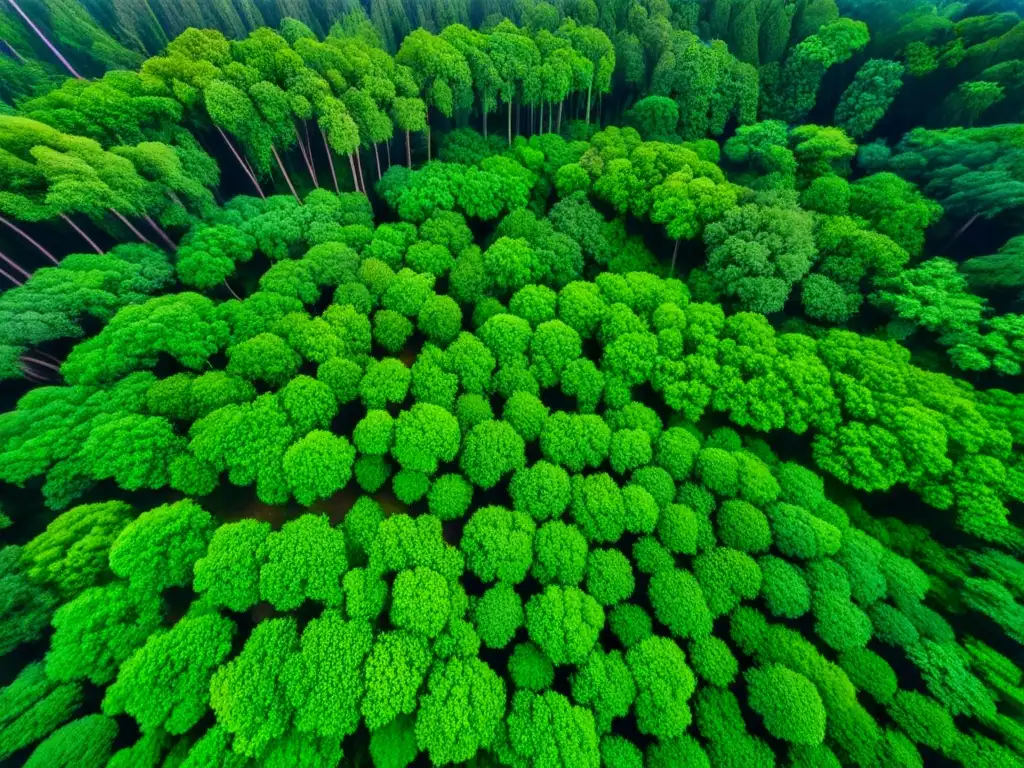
[(788, 702)]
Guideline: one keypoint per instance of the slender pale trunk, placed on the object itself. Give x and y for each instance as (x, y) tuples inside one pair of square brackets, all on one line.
[(484, 110), (37, 361), (306, 157), (560, 105), (130, 226), (26, 236), (965, 227), (45, 39), (245, 166), (231, 290), (14, 265), (309, 151), (551, 115), (387, 146), (589, 92), (160, 232), (510, 121), (376, 156), (330, 161), (359, 165), (11, 48), (408, 151), (540, 128), (531, 118), (675, 253), (428, 142), (355, 176), (11, 277), (32, 375), (287, 178), (81, 232)]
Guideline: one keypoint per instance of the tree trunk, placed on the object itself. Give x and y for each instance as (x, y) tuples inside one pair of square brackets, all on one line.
[(287, 178), (14, 265), (130, 226), (408, 151), (589, 90), (484, 110), (519, 120), (305, 155), (355, 176), (231, 290), (81, 232), (163, 235), (560, 105), (37, 361), (965, 227), (387, 146), (510, 121), (551, 114), (14, 52), (330, 161), (307, 159), (428, 142), (541, 118), (376, 156), (46, 41), (675, 252), (309, 151), (11, 277), (532, 115), (245, 166), (359, 165), (26, 236)]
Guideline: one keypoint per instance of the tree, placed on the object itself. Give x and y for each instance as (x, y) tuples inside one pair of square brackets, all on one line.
[(248, 693), (664, 684), (461, 711), (547, 727), (303, 560), (789, 704), (85, 742), (166, 683), (498, 544), (564, 622), (318, 466), (34, 706), (869, 96)]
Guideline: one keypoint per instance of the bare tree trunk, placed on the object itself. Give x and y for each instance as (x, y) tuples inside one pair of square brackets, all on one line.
[(231, 290), (560, 105), (305, 156), (14, 265), (330, 161), (531, 119), (284, 173), (387, 146), (428, 142), (511, 101), (11, 225), (551, 115), (408, 151), (241, 162), (37, 361), (376, 156), (11, 48), (484, 110), (355, 176), (519, 120), (130, 226), (675, 252), (359, 165), (163, 235), (46, 41), (309, 151), (965, 227), (11, 277), (589, 90), (541, 125), (81, 232)]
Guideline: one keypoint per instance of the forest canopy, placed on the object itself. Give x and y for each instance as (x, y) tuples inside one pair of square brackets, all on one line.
[(569, 384)]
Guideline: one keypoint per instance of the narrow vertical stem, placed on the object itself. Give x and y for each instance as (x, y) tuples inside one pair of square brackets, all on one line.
[(330, 161), (376, 155), (484, 110), (305, 156), (231, 290), (309, 151), (408, 150), (359, 165), (245, 166), (965, 227), (428, 142), (37, 361), (161, 234), (14, 265), (11, 225), (551, 114), (13, 50), (355, 176), (387, 146), (675, 253), (81, 232), (284, 173), (130, 226), (46, 41), (589, 91), (560, 105), (510, 122), (11, 277)]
